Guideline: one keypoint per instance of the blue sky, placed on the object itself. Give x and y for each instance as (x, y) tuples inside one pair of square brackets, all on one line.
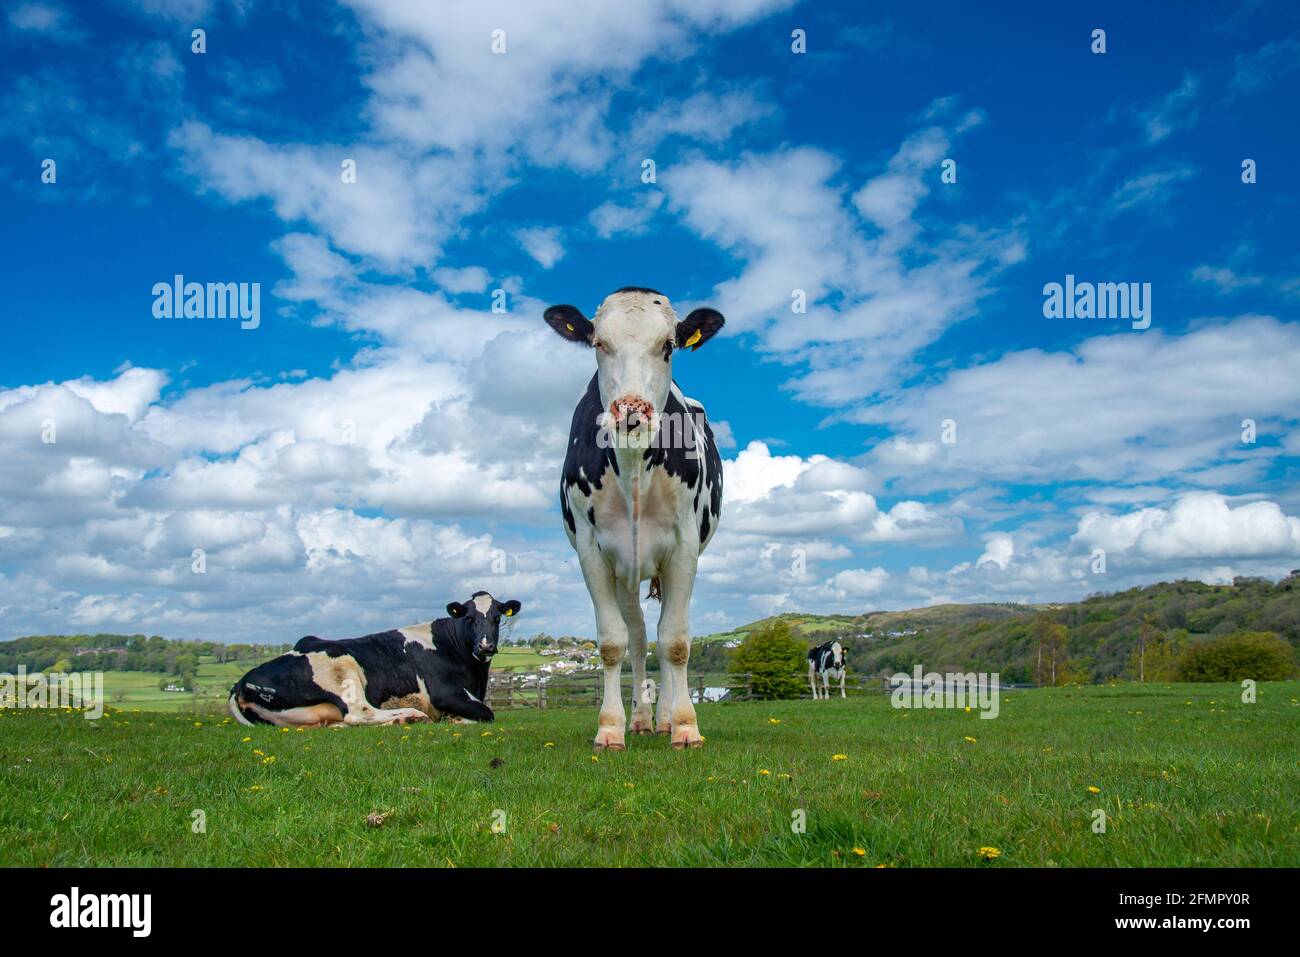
[(384, 442)]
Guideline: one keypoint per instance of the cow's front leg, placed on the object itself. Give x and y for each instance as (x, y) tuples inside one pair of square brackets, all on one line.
[(367, 715), (611, 636), (463, 705), (643, 697), (812, 679), (843, 674), (664, 709), (677, 579)]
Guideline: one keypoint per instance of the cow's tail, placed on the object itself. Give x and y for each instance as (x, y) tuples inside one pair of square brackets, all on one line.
[(242, 712)]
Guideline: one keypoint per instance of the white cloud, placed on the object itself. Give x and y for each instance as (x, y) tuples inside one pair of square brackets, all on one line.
[(1199, 525), (859, 582), (1225, 280), (997, 551), (611, 219), (542, 243), (875, 295), (1149, 187), (1118, 408), (40, 18), (1172, 112), (438, 83), (398, 211)]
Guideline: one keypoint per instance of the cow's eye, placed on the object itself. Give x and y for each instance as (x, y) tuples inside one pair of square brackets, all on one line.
[(668, 349)]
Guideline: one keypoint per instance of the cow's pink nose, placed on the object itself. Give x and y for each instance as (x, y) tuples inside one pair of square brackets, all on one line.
[(631, 411)]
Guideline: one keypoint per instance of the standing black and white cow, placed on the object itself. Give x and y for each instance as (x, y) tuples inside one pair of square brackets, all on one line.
[(641, 495), (417, 673), (827, 662)]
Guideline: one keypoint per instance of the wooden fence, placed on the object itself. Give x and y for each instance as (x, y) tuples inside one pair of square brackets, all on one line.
[(584, 689)]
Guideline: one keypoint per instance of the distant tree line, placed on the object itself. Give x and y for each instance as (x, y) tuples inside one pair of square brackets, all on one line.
[(109, 652), (1172, 631)]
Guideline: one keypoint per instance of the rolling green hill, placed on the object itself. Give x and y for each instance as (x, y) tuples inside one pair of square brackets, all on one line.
[(1101, 631)]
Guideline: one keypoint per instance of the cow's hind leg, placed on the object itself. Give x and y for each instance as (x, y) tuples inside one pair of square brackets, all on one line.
[(643, 692), (364, 714), (611, 636), (678, 579), (305, 716), (812, 679)]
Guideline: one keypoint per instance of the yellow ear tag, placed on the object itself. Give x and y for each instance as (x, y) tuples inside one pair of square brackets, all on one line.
[(695, 337), (508, 611), (569, 326)]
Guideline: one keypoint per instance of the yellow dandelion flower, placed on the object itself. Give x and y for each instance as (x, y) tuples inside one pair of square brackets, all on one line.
[(595, 758), (969, 739), (764, 771), (258, 752), (198, 724), (246, 740), (989, 853), (860, 851), (839, 757), (269, 759), (773, 720), (1093, 789), (486, 734), (549, 744)]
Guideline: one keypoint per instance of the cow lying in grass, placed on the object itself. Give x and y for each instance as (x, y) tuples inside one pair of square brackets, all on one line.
[(419, 673)]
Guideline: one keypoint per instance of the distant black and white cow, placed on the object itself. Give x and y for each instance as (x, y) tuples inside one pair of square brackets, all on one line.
[(641, 494), (827, 662), (418, 673)]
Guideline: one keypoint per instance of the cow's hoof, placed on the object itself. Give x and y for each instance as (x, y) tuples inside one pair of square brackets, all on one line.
[(410, 717), (609, 739), (608, 746), (687, 736), (664, 729), (641, 726)]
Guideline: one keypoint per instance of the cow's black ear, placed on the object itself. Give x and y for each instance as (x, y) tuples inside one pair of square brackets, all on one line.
[(698, 328), (510, 608), (569, 322), (455, 609)]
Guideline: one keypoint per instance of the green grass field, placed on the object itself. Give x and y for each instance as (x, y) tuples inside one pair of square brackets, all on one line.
[(1186, 774)]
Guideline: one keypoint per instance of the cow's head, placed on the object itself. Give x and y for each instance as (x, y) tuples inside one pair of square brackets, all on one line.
[(635, 333), (480, 621), (838, 655)]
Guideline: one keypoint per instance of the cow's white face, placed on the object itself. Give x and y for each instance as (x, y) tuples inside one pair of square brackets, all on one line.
[(634, 334)]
